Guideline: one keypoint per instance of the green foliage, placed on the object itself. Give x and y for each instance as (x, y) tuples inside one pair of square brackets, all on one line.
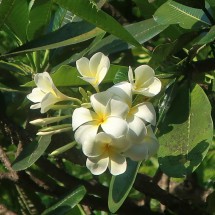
[(121, 185), (175, 38)]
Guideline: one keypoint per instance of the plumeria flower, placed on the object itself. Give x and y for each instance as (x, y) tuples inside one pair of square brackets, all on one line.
[(93, 70), (45, 94), (144, 149), (138, 115), (144, 82), (109, 114), (105, 152)]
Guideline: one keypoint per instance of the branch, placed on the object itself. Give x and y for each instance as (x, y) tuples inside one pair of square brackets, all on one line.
[(202, 66), (145, 185)]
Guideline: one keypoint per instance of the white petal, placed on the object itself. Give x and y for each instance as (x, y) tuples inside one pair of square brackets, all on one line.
[(117, 164), (117, 108), (153, 89), (145, 111), (137, 130), (44, 82), (35, 106), (101, 75), (123, 90), (82, 115), (99, 102), (143, 74), (93, 147), (89, 80), (148, 147), (120, 144), (85, 132), (115, 126), (97, 165), (36, 95), (98, 62), (48, 100), (130, 76), (83, 67)]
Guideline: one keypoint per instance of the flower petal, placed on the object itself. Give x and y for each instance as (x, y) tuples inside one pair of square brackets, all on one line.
[(36, 95), (97, 165), (117, 108), (99, 102), (83, 67), (131, 76), (99, 62), (82, 115), (153, 89), (85, 132), (35, 106), (94, 147), (143, 74), (117, 164), (137, 129), (48, 100), (145, 111), (123, 90), (115, 126), (44, 82), (148, 147)]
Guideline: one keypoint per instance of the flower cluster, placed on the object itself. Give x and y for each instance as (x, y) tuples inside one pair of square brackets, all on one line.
[(112, 127)]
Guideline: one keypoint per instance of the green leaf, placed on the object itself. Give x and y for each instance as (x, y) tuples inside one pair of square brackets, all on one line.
[(89, 11), (67, 203), (38, 24), (186, 132), (69, 76), (187, 17), (121, 185), (5, 10), (62, 37), (209, 37), (17, 21), (31, 153), (141, 31)]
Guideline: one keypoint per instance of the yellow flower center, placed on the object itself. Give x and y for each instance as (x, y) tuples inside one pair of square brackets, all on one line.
[(101, 119)]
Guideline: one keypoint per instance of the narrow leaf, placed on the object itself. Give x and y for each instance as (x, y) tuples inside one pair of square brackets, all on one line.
[(5, 10), (31, 153), (62, 37), (121, 185), (89, 11), (209, 37), (141, 31), (186, 132), (67, 203), (38, 24), (172, 12), (68, 76)]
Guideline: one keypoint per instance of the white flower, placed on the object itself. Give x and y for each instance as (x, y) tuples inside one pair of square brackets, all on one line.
[(138, 115), (109, 113), (93, 70), (45, 94), (144, 82), (146, 148), (105, 152)]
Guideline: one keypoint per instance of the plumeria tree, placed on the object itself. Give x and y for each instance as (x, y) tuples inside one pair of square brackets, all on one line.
[(107, 107)]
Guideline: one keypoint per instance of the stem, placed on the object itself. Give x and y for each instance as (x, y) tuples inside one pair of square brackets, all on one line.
[(74, 99)]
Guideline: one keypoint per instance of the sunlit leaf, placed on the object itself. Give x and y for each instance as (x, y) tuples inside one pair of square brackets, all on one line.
[(186, 132), (172, 12), (141, 31), (121, 185), (91, 13), (209, 37), (67, 203), (68, 76), (31, 153), (62, 37)]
